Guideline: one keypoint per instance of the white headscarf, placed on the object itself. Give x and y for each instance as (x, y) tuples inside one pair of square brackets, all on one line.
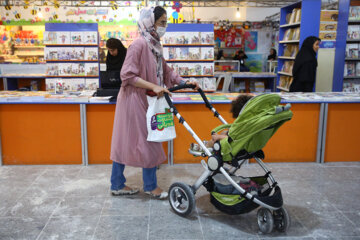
[(146, 26)]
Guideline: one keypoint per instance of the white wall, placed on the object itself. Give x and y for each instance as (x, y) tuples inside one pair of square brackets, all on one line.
[(225, 13)]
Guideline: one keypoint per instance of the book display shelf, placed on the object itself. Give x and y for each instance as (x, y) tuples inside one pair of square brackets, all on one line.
[(297, 22), (351, 82), (72, 57), (189, 50)]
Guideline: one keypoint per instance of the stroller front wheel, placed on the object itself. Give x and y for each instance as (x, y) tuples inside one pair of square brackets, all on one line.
[(181, 198), (281, 219), (265, 220)]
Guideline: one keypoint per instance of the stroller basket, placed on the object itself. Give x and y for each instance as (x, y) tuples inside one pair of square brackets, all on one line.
[(226, 198)]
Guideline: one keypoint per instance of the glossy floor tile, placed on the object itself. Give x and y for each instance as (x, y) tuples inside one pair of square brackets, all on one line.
[(74, 202)]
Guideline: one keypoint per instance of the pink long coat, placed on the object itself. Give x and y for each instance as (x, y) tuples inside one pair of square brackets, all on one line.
[(129, 145)]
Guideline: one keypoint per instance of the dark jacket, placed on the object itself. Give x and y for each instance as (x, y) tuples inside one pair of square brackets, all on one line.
[(304, 70)]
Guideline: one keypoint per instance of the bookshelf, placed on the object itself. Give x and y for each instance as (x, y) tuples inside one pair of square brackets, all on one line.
[(189, 50), (297, 22), (72, 57), (347, 58)]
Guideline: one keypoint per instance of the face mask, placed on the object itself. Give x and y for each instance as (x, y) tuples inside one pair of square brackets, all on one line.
[(161, 31)]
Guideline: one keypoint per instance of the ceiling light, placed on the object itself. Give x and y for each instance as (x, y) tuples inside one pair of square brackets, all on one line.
[(238, 15)]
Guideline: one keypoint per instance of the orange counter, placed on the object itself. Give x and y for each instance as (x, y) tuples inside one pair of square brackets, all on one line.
[(52, 133)]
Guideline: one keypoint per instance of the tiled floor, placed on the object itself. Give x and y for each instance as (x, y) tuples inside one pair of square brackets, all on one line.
[(73, 202)]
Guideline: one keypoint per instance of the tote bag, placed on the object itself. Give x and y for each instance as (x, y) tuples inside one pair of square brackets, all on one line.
[(159, 120)]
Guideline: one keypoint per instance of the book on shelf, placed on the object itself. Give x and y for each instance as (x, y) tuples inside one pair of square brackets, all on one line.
[(209, 84), (77, 38), (287, 67), (354, 13), (285, 82), (358, 69), (296, 34), (353, 32), (207, 37), (194, 53), (328, 35), (50, 37), (288, 34), (207, 53), (352, 50), (91, 69), (294, 16), (350, 69), (91, 53), (195, 69), (182, 38), (328, 26), (351, 86), (91, 84), (63, 38), (298, 15), (90, 38)]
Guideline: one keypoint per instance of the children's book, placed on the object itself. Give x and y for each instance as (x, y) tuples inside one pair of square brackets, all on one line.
[(194, 53), (207, 53), (92, 69), (63, 38), (50, 84), (91, 53), (50, 38), (207, 37), (90, 38), (77, 38), (91, 83)]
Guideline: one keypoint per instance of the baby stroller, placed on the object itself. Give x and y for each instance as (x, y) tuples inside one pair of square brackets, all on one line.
[(258, 120)]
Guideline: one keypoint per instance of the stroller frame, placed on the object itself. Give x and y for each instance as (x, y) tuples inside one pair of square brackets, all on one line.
[(185, 192)]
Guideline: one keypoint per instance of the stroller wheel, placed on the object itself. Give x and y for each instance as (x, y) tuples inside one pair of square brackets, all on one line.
[(281, 219), (265, 220), (181, 198)]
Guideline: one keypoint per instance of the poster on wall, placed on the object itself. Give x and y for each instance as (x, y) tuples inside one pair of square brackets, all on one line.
[(233, 37), (254, 62), (251, 41)]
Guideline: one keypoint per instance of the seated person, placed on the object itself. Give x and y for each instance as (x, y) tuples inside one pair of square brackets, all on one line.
[(241, 56), (236, 106)]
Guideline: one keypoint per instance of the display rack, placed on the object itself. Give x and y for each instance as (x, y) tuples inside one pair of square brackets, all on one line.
[(297, 22), (189, 50), (351, 79), (72, 56)]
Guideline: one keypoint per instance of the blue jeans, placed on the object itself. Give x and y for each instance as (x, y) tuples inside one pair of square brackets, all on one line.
[(118, 179)]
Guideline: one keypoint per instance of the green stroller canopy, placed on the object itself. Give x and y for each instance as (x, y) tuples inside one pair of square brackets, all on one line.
[(258, 120)]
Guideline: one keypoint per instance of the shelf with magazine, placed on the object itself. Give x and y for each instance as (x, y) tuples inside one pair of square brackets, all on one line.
[(351, 80), (189, 50), (72, 57), (293, 30)]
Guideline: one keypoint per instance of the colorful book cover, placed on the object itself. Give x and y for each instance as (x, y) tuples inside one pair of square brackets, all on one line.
[(63, 38), (92, 69), (91, 53), (207, 53), (207, 37), (77, 38), (91, 84), (50, 38), (90, 38)]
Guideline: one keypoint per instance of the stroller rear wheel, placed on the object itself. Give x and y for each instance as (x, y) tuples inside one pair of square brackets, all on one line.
[(181, 198), (265, 220), (281, 219)]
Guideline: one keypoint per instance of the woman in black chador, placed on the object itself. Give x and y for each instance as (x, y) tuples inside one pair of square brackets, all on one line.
[(116, 55), (304, 70)]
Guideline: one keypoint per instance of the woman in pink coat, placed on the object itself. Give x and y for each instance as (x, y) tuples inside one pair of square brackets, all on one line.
[(144, 69)]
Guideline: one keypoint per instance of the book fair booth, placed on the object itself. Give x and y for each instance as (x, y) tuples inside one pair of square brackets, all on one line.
[(53, 53)]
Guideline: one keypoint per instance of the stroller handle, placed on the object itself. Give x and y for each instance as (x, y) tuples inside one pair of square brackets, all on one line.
[(173, 89)]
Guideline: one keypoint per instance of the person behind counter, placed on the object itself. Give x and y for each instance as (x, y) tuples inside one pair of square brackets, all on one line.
[(115, 58), (272, 55), (241, 56), (304, 70)]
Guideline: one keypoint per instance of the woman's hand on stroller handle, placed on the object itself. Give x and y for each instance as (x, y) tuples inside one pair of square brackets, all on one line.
[(188, 82), (159, 91)]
